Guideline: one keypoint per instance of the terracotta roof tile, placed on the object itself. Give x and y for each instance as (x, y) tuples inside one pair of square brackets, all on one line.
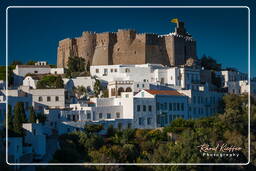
[(165, 92)]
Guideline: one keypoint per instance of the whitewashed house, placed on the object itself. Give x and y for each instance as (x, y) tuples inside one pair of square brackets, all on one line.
[(157, 108), (35, 136), (203, 102)]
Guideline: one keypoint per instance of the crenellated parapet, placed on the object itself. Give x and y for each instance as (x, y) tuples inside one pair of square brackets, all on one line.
[(128, 47)]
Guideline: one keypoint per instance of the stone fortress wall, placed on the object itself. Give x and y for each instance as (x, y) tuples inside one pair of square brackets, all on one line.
[(129, 47)]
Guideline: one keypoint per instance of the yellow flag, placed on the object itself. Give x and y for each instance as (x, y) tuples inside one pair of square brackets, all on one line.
[(175, 20)]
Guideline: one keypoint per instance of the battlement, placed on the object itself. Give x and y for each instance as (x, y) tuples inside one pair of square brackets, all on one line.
[(126, 46)]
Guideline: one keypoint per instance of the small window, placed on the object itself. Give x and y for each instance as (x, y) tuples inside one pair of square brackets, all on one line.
[(35, 72), (182, 106), (144, 108), (56, 98), (111, 70), (150, 108), (88, 115), (129, 125), (170, 106), (140, 121), (115, 70), (138, 108), (40, 98), (100, 115), (117, 115), (97, 70), (108, 116), (48, 98), (149, 121)]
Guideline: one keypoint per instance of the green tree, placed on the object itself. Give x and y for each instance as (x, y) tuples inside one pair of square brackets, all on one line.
[(31, 62), (19, 117), (10, 118), (209, 63), (97, 87), (32, 116), (80, 92), (76, 64), (50, 81), (59, 83), (41, 117), (93, 128)]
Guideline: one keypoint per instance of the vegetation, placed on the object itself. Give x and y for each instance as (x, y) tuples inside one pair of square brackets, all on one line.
[(80, 92), (177, 143), (97, 87), (209, 63), (50, 81), (19, 118), (77, 66), (32, 115)]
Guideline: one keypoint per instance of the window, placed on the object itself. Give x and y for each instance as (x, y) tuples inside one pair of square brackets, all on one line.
[(165, 106), (88, 115), (174, 107), (56, 98), (142, 85), (111, 70), (178, 106), (149, 121), (108, 115), (115, 70), (127, 70), (129, 125), (97, 70), (138, 85), (150, 108), (182, 106), (138, 108), (140, 121), (35, 72), (144, 108), (170, 106), (40, 98), (100, 115), (117, 115), (48, 98)]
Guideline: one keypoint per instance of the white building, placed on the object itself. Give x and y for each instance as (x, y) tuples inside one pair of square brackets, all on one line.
[(15, 149), (35, 136), (115, 88), (157, 108), (15, 96), (41, 68), (202, 102), (175, 77), (45, 98), (231, 76), (137, 73), (30, 81), (241, 87)]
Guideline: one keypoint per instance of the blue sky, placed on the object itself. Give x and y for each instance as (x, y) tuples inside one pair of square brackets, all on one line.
[(220, 33)]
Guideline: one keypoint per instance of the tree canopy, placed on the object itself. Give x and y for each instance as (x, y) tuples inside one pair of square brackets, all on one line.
[(50, 81), (209, 63)]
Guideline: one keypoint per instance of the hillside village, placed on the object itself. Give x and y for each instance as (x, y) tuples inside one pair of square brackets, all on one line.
[(45, 102)]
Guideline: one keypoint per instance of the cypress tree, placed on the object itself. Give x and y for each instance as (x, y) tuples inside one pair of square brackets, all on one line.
[(32, 116)]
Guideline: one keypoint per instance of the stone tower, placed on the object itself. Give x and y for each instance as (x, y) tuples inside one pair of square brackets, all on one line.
[(129, 47)]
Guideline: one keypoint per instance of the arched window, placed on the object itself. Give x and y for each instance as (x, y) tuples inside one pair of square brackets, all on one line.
[(128, 89), (120, 89), (113, 92)]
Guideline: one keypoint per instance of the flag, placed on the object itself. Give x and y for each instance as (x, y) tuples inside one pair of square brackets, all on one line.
[(175, 20)]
